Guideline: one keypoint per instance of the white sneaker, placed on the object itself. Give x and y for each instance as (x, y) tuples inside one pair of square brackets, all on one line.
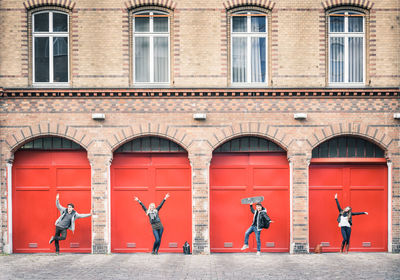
[(244, 247), (258, 253)]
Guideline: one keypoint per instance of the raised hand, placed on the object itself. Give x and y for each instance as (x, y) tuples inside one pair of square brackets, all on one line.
[(335, 195), (366, 213), (57, 196), (166, 196), (136, 198)]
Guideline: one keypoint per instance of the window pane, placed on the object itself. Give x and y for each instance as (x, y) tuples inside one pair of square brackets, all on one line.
[(142, 24), (60, 22), (239, 24), (336, 24), (160, 24), (355, 60), (42, 59), (258, 60), (161, 59), (258, 24), (41, 22), (239, 59), (337, 60), (355, 24), (60, 59), (142, 59)]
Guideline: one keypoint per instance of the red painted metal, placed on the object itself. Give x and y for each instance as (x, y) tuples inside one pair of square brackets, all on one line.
[(361, 186), (234, 176), (37, 176), (150, 176)]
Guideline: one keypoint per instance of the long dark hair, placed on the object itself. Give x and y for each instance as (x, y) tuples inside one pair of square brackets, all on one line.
[(348, 212)]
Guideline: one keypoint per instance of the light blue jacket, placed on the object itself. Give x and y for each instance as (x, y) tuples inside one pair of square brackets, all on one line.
[(75, 215)]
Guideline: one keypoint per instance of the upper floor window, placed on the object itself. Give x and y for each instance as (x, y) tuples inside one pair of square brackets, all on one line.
[(249, 47), (151, 47), (50, 47), (346, 47)]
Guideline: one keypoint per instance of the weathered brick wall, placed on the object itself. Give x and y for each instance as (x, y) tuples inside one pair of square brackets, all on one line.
[(101, 46), (24, 118), (101, 55)]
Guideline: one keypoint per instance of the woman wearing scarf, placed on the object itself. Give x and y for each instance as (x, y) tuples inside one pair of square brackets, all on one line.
[(155, 221)]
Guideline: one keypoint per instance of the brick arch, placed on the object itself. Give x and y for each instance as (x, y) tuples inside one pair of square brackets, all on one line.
[(29, 133), (367, 132), (250, 129), (230, 4), (329, 4), (31, 4), (132, 4), (163, 131)]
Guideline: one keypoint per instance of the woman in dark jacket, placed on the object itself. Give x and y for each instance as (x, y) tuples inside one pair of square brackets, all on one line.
[(345, 222), (155, 222)]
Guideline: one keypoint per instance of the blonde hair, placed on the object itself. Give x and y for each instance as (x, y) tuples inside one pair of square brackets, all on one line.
[(148, 210)]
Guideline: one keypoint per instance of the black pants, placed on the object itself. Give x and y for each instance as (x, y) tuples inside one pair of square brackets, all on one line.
[(346, 232), (61, 234), (157, 236)]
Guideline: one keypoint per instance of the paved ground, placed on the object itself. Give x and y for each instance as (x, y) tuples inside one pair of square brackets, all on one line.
[(215, 266)]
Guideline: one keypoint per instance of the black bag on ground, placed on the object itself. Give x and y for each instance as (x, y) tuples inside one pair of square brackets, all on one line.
[(186, 248)]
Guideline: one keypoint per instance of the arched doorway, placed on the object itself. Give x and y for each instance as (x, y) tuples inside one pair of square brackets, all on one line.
[(356, 170), (41, 169), (149, 168), (246, 167)]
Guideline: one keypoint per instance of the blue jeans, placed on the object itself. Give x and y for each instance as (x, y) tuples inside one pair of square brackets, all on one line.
[(346, 232), (257, 233), (157, 235)]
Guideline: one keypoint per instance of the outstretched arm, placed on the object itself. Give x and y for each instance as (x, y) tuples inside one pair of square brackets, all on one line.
[(337, 203), (78, 216), (144, 207), (58, 205), (162, 202), (359, 213)]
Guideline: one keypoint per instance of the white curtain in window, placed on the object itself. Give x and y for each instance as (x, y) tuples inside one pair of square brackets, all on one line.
[(142, 59), (160, 59), (258, 60), (337, 59), (239, 61), (355, 59)]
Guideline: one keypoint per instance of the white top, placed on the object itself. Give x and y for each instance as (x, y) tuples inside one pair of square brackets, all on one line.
[(344, 222)]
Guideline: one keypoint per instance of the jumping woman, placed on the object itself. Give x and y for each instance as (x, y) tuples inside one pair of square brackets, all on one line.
[(155, 222), (345, 223)]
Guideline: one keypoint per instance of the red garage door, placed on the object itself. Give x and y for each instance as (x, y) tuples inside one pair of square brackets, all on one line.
[(236, 175), (362, 185), (37, 176), (150, 176)]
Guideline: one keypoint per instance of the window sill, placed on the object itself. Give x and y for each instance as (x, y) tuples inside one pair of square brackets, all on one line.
[(347, 85), (51, 85), (147, 85), (249, 85)]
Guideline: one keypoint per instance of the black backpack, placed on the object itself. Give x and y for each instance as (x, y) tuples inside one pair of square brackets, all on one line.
[(265, 221), (186, 248)]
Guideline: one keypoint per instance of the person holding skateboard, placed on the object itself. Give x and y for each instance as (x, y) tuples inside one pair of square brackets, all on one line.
[(345, 222), (64, 222), (260, 221), (155, 222)]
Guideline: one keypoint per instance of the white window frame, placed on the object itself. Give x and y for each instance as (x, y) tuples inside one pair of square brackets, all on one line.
[(248, 35), (50, 34), (151, 35), (346, 35)]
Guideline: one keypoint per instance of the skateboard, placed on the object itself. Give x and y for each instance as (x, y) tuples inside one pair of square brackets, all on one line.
[(254, 199)]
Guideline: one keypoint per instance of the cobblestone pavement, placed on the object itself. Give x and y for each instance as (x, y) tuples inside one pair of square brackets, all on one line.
[(215, 266)]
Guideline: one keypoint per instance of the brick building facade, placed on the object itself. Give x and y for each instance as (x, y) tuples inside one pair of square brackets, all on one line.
[(101, 78)]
